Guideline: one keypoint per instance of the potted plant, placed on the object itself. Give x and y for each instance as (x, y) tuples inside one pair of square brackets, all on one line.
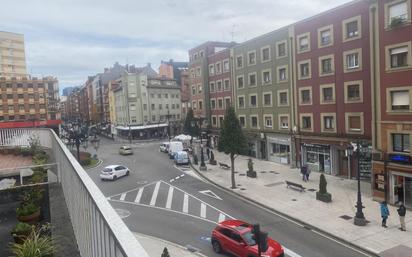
[(322, 194), (250, 173), (21, 231), (29, 212), (34, 195), (36, 245)]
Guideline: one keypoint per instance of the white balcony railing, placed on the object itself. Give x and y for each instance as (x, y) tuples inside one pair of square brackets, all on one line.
[(98, 229)]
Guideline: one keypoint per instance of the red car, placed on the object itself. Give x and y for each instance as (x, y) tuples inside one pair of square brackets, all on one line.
[(235, 237)]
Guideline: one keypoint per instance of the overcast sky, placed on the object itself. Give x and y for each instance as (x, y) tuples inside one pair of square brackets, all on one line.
[(71, 39)]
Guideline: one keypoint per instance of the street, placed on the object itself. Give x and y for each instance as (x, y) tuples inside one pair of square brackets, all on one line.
[(171, 203)]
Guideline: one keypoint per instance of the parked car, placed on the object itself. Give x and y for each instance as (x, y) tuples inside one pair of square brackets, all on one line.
[(236, 237), (113, 172), (174, 147), (164, 147), (125, 150), (181, 157)]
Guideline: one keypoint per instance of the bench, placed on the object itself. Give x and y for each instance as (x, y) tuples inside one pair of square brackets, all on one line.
[(294, 185), (224, 166)]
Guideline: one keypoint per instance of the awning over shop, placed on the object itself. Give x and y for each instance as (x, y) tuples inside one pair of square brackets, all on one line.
[(162, 125)]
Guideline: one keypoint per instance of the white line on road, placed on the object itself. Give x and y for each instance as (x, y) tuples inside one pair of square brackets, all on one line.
[(155, 193), (291, 253), (182, 175), (222, 217), (169, 198), (203, 210), (139, 195), (172, 180), (186, 204), (177, 177), (122, 197)]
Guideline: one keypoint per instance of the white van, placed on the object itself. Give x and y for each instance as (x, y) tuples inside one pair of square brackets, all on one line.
[(174, 147), (181, 157)]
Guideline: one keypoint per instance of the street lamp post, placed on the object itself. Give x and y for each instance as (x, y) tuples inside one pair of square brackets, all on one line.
[(130, 134), (359, 219), (202, 158)]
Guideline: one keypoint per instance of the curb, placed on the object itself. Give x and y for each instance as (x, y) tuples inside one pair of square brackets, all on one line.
[(307, 225), (168, 242), (97, 164)]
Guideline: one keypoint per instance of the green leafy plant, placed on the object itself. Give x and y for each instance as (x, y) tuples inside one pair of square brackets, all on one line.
[(22, 227), (34, 195), (27, 209), (34, 143), (35, 245)]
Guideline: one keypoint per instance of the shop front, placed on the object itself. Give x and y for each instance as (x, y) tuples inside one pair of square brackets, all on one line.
[(278, 148), (317, 157)]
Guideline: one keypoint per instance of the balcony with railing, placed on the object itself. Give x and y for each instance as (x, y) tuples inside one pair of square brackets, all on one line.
[(97, 230)]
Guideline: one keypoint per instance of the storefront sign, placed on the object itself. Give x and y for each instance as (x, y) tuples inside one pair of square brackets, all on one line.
[(380, 182), (406, 159)]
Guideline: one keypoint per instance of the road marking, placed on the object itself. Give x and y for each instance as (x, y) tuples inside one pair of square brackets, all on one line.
[(181, 176), (290, 252), (186, 204), (169, 198), (222, 217), (122, 197), (177, 177), (210, 193), (139, 195), (203, 210), (155, 193), (172, 180)]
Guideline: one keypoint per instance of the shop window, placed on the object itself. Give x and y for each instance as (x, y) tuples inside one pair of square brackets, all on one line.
[(252, 79), (401, 143), (268, 121), (280, 150), (400, 100), (251, 58)]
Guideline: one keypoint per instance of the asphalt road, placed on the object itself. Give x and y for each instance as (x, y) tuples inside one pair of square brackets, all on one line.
[(165, 201)]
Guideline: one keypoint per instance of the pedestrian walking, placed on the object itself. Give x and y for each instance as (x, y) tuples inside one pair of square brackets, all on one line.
[(384, 213), (307, 173), (402, 211), (303, 170)]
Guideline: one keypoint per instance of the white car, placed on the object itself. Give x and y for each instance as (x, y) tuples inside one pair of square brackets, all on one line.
[(164, 147), (114, 172)]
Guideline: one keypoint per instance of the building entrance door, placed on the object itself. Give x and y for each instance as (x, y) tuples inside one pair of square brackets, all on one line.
[(263, 150), (321, 163)]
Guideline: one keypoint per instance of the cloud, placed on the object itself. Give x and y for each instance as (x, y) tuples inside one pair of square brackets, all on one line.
[(74, 39)]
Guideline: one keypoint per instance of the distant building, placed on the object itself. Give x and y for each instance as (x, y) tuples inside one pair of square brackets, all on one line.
[(67, 91), (12, 55)]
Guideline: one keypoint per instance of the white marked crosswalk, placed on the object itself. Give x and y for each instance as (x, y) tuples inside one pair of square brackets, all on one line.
[(162, 195)]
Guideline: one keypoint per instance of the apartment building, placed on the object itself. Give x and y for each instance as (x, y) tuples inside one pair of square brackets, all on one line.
[(29, 102), (392, 76), (263, 92), (333, 89), (12, 55), (199, 77)]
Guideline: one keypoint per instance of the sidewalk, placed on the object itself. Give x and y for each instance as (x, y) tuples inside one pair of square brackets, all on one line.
[(335, 218), (154, 247)]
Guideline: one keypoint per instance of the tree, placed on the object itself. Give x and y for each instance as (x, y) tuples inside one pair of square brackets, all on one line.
[(231, 140), (165, 253), (187, 127)]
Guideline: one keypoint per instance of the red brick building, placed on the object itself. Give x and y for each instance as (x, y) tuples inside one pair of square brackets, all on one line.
[(392, 45), (332, 74)]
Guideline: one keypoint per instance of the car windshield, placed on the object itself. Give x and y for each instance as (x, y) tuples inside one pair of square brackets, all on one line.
[(107, 170), (126, 148), (249, 238)]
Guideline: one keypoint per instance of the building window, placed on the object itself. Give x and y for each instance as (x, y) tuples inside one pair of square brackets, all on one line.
[(305, 96), (21, 107), (327, 93), (351, 28), (401, 143), (218, 68), (283, 121), (281, 49), (241, 102), (212, 86), (265, 53), (282, 74), (239, 62), (200, 105), (252, 79), (166, 95), (328, 122), (226, 65), (214, 121), (239, 81), (152, 95), (251, 58), (303, 43), (353, 91), (306, 121), (254, 121), (198, 72), (242, 121), (153, 118), (194, 105), (211, 69), (400, 100), (213, 104), (325, 36), (153, 106), (227, 102), (220, 103), (304, 70), (397, 13), (253, 101), (283, 98), (354, 122), (226, 84), (199, 89), (267, 99), (144, 107), (399, 57), (326, 65), (268, 121), (219, 85), (266, 76), (352, 60)]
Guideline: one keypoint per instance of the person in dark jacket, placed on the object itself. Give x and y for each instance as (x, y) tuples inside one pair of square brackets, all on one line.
[(402, 211), (384, 213)]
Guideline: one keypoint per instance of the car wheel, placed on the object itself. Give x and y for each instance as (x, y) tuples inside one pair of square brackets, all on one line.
[(127, 173), (114, 177), (216, 247)]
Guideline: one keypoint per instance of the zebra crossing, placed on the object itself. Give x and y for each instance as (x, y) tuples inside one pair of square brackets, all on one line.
[(162, 195)]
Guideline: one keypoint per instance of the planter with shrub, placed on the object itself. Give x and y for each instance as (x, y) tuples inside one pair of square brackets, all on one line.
[(37, 244), (322, 194), (21, 231), (250, 173), (29, 213)]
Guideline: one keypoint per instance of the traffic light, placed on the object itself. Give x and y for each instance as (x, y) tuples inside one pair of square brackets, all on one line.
[(263, 241)]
